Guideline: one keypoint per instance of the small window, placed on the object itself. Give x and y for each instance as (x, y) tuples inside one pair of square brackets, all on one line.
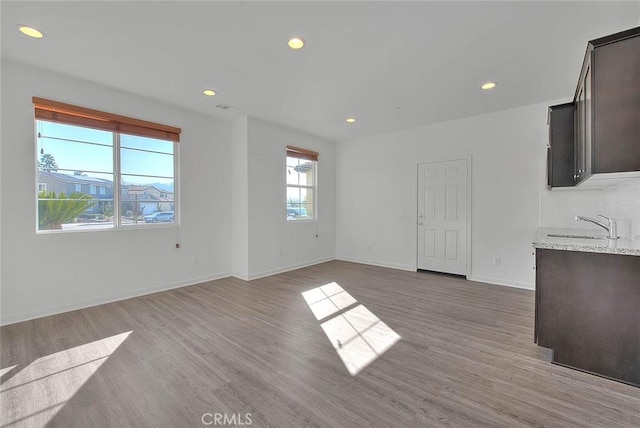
[(76, 144), (301, 184)]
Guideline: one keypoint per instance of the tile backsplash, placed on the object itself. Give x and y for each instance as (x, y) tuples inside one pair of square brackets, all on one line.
[(559, 206), (623, 203)]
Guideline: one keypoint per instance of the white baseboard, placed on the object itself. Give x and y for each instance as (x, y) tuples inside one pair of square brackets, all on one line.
[(54, 310), (486, 279), (376, 263), (240, 276), (503, 282), (285, 269)]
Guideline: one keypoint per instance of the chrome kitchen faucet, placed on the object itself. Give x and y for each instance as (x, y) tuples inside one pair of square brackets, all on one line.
[(611, 228)]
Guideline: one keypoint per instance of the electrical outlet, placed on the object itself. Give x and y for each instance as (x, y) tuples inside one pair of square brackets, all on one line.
[(278, 252), (497, 261), (196, 260)]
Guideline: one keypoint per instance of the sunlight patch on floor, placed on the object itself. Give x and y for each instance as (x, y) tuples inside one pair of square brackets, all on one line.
[(7, 370), (358, 336), (36, 393), (327, 300)]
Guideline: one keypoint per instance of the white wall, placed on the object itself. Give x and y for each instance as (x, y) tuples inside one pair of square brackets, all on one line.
[(275, 244), (376, 191), (49, 273), (232, 189), (240, 199)]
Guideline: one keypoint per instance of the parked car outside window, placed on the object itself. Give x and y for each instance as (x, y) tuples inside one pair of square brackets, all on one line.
[(159, 217), (297, 212)]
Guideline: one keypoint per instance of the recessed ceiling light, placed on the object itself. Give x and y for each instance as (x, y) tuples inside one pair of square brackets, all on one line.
[(488, 85), (296, 43), (350, 120), (31, 32), (209, 92)]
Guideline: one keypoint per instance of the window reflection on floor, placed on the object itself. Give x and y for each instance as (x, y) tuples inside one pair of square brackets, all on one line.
[(327, 300), (34, 394), (7, 370), (358, 336)]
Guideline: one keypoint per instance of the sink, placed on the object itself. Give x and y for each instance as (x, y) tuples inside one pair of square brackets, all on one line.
[(560, 235)]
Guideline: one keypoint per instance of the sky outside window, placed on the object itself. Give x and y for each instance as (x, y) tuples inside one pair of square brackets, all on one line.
[(90, 151)]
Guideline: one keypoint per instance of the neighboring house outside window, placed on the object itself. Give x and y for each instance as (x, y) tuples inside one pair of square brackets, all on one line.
[(42, 187), (60, 182), (301, 184), (76, 167), (148, 199)]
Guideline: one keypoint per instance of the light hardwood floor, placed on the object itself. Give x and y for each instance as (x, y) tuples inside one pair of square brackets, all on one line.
[(466, 358)]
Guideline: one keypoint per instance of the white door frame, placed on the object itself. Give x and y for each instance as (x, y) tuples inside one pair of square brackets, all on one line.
[(468, 157)]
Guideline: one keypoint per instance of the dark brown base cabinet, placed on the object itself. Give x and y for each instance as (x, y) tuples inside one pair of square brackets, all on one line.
[(588, 311)]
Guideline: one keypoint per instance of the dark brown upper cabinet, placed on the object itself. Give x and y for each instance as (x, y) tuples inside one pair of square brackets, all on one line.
[(560, 150), (607, 106)]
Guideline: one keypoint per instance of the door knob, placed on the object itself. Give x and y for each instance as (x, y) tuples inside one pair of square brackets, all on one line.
[(420, 224)]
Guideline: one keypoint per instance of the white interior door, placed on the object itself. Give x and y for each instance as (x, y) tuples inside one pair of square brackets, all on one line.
[(442, 216)]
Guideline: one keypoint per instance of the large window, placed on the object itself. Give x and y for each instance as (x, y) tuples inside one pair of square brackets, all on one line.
[(301, 183), (90, 176)]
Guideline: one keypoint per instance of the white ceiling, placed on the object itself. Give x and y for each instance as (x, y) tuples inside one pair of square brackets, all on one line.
[(392, 65)]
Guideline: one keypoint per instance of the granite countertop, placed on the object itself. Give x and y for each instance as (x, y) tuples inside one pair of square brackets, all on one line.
[(601, 244)]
